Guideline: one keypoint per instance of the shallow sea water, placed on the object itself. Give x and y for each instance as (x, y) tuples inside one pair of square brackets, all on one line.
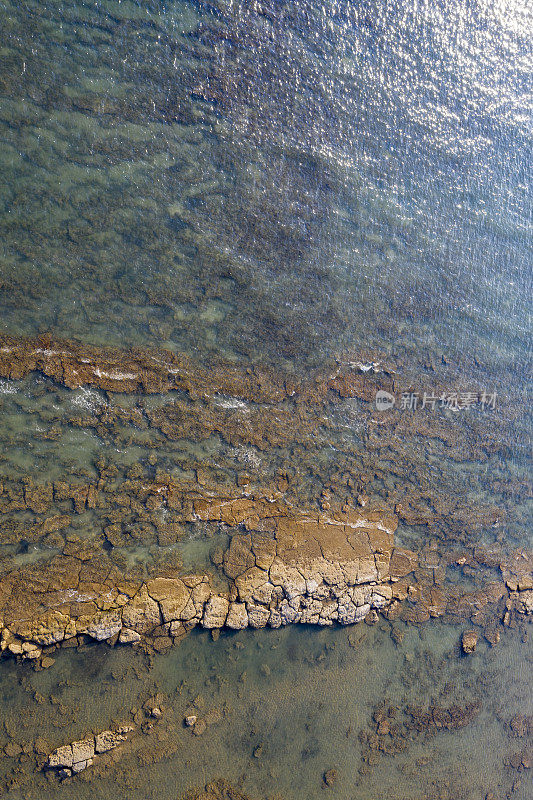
[(301, 696), (273, 182), (281, 184)]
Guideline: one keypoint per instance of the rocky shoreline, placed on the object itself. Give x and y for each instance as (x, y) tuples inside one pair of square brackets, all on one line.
[(292, 555), (289, 520), (311, 570), (316, 569)]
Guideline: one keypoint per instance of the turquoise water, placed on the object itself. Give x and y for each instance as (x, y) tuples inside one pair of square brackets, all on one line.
[(303, 186)]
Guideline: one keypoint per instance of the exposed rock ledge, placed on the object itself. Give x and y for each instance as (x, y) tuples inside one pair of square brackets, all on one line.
[(77, 756), (307, 568), (320, 569)]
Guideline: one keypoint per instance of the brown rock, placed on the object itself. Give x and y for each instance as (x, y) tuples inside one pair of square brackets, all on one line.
[(519, 725), (330, 777), (469, 641), (142, 614), (12, 749), (402, 562)]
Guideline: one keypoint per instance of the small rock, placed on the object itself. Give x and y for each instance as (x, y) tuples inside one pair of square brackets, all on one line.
[(519, 725), (128, 636), (200, 727), (156, 712), (47, 662), (41, 746), (12, 749), (61, 757), (31, 651), (190, 720), (108, 740), (469, 641), (330, 777), (258, 750)]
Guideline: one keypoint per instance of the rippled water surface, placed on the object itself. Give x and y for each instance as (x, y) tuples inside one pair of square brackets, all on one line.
[(298, 185), (275, 181)]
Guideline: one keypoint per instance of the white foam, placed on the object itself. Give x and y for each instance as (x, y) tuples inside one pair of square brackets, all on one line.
[(87, 399), (8, 387), (231, 402), (116, 376)]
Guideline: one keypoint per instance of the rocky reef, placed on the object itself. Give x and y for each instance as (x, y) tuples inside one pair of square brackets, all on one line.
[(72, 758), (291, 516), (285, 567), (308, 540), (315, 570)]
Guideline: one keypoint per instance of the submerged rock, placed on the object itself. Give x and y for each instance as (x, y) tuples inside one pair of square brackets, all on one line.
[(330, 777), (216, 790), (469, 641), (75, 757)]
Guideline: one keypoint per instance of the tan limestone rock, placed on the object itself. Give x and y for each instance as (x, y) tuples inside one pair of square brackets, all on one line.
[(103, 626), (82, 750), (142, 613), (402, 562), (469, 641), (61, 757), (249, 581), (215, 612), (257, 615), (237, 616), (108, 740), (127, 636), (239, 557), (264, 550)]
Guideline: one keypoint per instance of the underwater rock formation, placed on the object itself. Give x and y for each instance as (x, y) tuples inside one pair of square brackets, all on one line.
[(317, 568), (299, 550), (72, 758), (314, 569)]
